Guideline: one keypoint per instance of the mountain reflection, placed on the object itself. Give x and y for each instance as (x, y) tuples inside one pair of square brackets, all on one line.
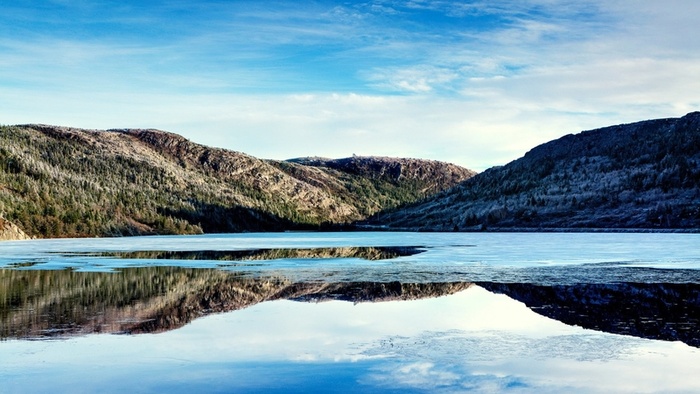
[(367, 253), (36, 304), (54, 304), (666, 311)]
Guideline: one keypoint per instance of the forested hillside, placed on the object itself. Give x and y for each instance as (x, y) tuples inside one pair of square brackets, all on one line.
[(65, 182), (643, 175)]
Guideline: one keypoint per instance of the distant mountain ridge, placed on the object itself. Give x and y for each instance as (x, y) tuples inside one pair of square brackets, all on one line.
[(67, 182), (431, 172), (643, 175)]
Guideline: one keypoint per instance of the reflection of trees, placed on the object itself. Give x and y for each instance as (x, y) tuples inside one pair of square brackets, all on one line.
[(667, 311), (37, 303), (41, 303), (55, 302), (367, 253)]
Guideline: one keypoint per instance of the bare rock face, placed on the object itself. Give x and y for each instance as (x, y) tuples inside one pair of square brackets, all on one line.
[(10, 232), (434, 176)]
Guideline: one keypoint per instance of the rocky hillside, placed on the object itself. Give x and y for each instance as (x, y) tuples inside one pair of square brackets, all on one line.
[(10, 232), (643, 175), (429, 176), (66, 182)]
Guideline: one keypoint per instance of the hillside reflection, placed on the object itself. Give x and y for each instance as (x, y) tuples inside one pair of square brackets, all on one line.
[(54, 304), (35, 304), (666, 311), (366, 253)]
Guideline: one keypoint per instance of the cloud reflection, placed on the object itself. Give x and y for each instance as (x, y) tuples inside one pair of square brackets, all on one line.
[(472, 340)]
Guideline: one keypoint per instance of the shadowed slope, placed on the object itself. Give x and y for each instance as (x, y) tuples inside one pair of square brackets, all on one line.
[(643, 175)]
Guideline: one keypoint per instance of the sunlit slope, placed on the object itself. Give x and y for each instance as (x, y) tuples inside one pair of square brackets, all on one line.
[(66, 182)]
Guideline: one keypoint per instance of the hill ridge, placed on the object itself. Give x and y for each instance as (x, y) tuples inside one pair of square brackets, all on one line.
[(63, 181), (641, 175)]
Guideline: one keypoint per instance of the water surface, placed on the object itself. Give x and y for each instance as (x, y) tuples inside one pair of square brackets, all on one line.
[(352, 312)]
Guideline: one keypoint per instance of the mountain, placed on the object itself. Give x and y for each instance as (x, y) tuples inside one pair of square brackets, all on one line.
[(428, 176), (644, 175), (67, 182)]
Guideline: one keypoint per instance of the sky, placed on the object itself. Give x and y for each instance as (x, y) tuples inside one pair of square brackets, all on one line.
[(476, 83)]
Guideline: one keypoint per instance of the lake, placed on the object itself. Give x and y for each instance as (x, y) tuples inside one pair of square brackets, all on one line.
[(352, 312)]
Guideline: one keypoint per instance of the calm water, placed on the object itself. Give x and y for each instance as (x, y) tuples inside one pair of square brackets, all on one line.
[(352, 312)]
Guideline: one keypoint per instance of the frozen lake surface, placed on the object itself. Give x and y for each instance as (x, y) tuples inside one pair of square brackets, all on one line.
[(352, 312)]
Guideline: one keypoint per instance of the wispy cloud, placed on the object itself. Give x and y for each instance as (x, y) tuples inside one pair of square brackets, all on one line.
[(476, 82), (416, 79)]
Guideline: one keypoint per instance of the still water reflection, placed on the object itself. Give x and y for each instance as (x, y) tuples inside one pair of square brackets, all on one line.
[(433, 321), (470, 340), (55, 303), (43, 304)]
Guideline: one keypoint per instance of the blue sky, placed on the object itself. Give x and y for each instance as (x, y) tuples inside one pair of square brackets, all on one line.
[(477, 83)]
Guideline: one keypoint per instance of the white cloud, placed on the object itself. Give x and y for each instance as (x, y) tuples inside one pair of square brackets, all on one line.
[(497, 120), (538, 70), (416, 79)]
